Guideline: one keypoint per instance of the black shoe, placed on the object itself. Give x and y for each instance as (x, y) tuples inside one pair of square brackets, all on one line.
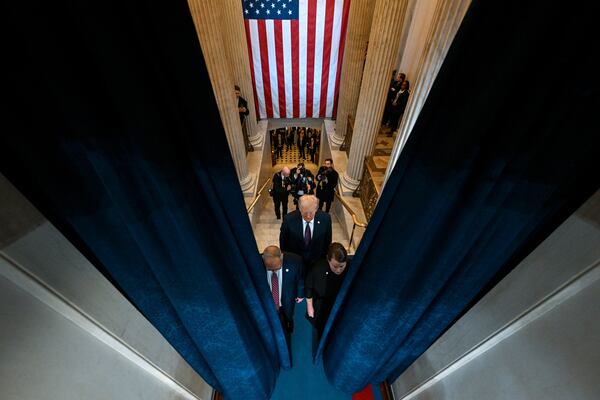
[(278, 217)]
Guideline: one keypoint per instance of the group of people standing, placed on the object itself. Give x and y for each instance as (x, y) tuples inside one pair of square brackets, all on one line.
[(306, 140), (396, 101), (300, 181), (307, 264)]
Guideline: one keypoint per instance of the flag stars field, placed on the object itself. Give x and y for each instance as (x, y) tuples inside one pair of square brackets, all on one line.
[(295, 49)]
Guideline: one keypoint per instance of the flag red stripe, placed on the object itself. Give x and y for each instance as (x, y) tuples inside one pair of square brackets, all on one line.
[(286, 78), (264, 62), (247, 26), (280, 66), (340, 55), (310, 56), (295, 70), (329, 11)]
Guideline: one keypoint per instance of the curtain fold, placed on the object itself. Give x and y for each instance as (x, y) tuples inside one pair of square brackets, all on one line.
[(117, 140), (503, 151)]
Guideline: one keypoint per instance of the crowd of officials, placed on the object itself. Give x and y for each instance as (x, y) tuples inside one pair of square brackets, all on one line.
[(306, 140), (307, 264)]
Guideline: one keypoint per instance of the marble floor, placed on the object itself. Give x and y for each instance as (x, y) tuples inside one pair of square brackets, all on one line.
[(381, 158)]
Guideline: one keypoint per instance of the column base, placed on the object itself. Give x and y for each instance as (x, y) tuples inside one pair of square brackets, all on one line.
[(336, 141), (257, 140), (348, 184), (248, 185)]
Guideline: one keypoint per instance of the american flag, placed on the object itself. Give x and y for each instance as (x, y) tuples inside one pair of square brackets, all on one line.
[(295, 49)]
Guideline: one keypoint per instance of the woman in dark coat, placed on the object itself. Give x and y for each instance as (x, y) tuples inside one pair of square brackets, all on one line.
[(323, 283)]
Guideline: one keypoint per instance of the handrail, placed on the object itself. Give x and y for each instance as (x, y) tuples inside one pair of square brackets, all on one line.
[(355, 221), (258, 194), (351, 211)]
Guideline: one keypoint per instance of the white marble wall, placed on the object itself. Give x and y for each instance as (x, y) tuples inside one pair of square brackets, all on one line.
[(536, 335), (66, 333)]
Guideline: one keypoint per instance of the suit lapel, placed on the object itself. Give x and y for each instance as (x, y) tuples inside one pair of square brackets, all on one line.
[(316, 226), (301, 227)]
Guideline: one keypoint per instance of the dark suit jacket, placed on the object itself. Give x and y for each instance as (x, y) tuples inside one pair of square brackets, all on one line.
[(243, 103), (292, 283), (291, 236), (325, 191), (280, 186)]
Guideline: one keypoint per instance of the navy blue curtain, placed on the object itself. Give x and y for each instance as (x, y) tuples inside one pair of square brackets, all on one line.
[(506, 148), (115, 135)]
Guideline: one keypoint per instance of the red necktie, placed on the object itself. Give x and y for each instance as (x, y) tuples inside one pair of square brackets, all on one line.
[(275, 289)]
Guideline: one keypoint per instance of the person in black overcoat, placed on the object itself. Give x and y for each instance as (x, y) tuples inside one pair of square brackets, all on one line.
[(301, 142), (322, 285), (242, 104), (282, 186), (327, 180), (303, 182), (399, 105)]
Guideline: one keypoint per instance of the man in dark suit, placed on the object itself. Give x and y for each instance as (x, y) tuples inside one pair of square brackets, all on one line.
[(280, 191), (303, 182), (286, 283), (242, 104), (306, 231), (327, 180), (279, 142), (399, 105)]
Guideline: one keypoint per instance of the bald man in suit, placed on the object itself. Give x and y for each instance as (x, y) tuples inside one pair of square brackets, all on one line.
[(286, 283)]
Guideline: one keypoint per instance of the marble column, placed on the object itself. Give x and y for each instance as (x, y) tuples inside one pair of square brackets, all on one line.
[(237, 52), (384, 41), (208, 21), (447, 18), (357, 36)]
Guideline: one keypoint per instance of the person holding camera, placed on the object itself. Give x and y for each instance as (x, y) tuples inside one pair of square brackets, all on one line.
[(327, 180), (282, 186), (303, 182)]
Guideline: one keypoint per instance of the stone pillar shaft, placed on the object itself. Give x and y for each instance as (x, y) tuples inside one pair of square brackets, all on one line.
[(384, 40), (207, 19), (357, 36), (446, 21), (237, 51)]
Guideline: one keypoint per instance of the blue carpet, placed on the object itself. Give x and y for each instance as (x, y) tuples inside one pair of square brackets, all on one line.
[(376, 393), (305, 381)]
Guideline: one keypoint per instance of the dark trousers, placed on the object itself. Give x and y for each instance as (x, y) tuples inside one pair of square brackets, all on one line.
[(327, 205), (301, 151), (288, 328), (279, 151), (281, 204)]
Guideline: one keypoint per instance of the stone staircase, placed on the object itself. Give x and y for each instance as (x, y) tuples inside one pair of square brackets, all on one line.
[(266, 226)]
